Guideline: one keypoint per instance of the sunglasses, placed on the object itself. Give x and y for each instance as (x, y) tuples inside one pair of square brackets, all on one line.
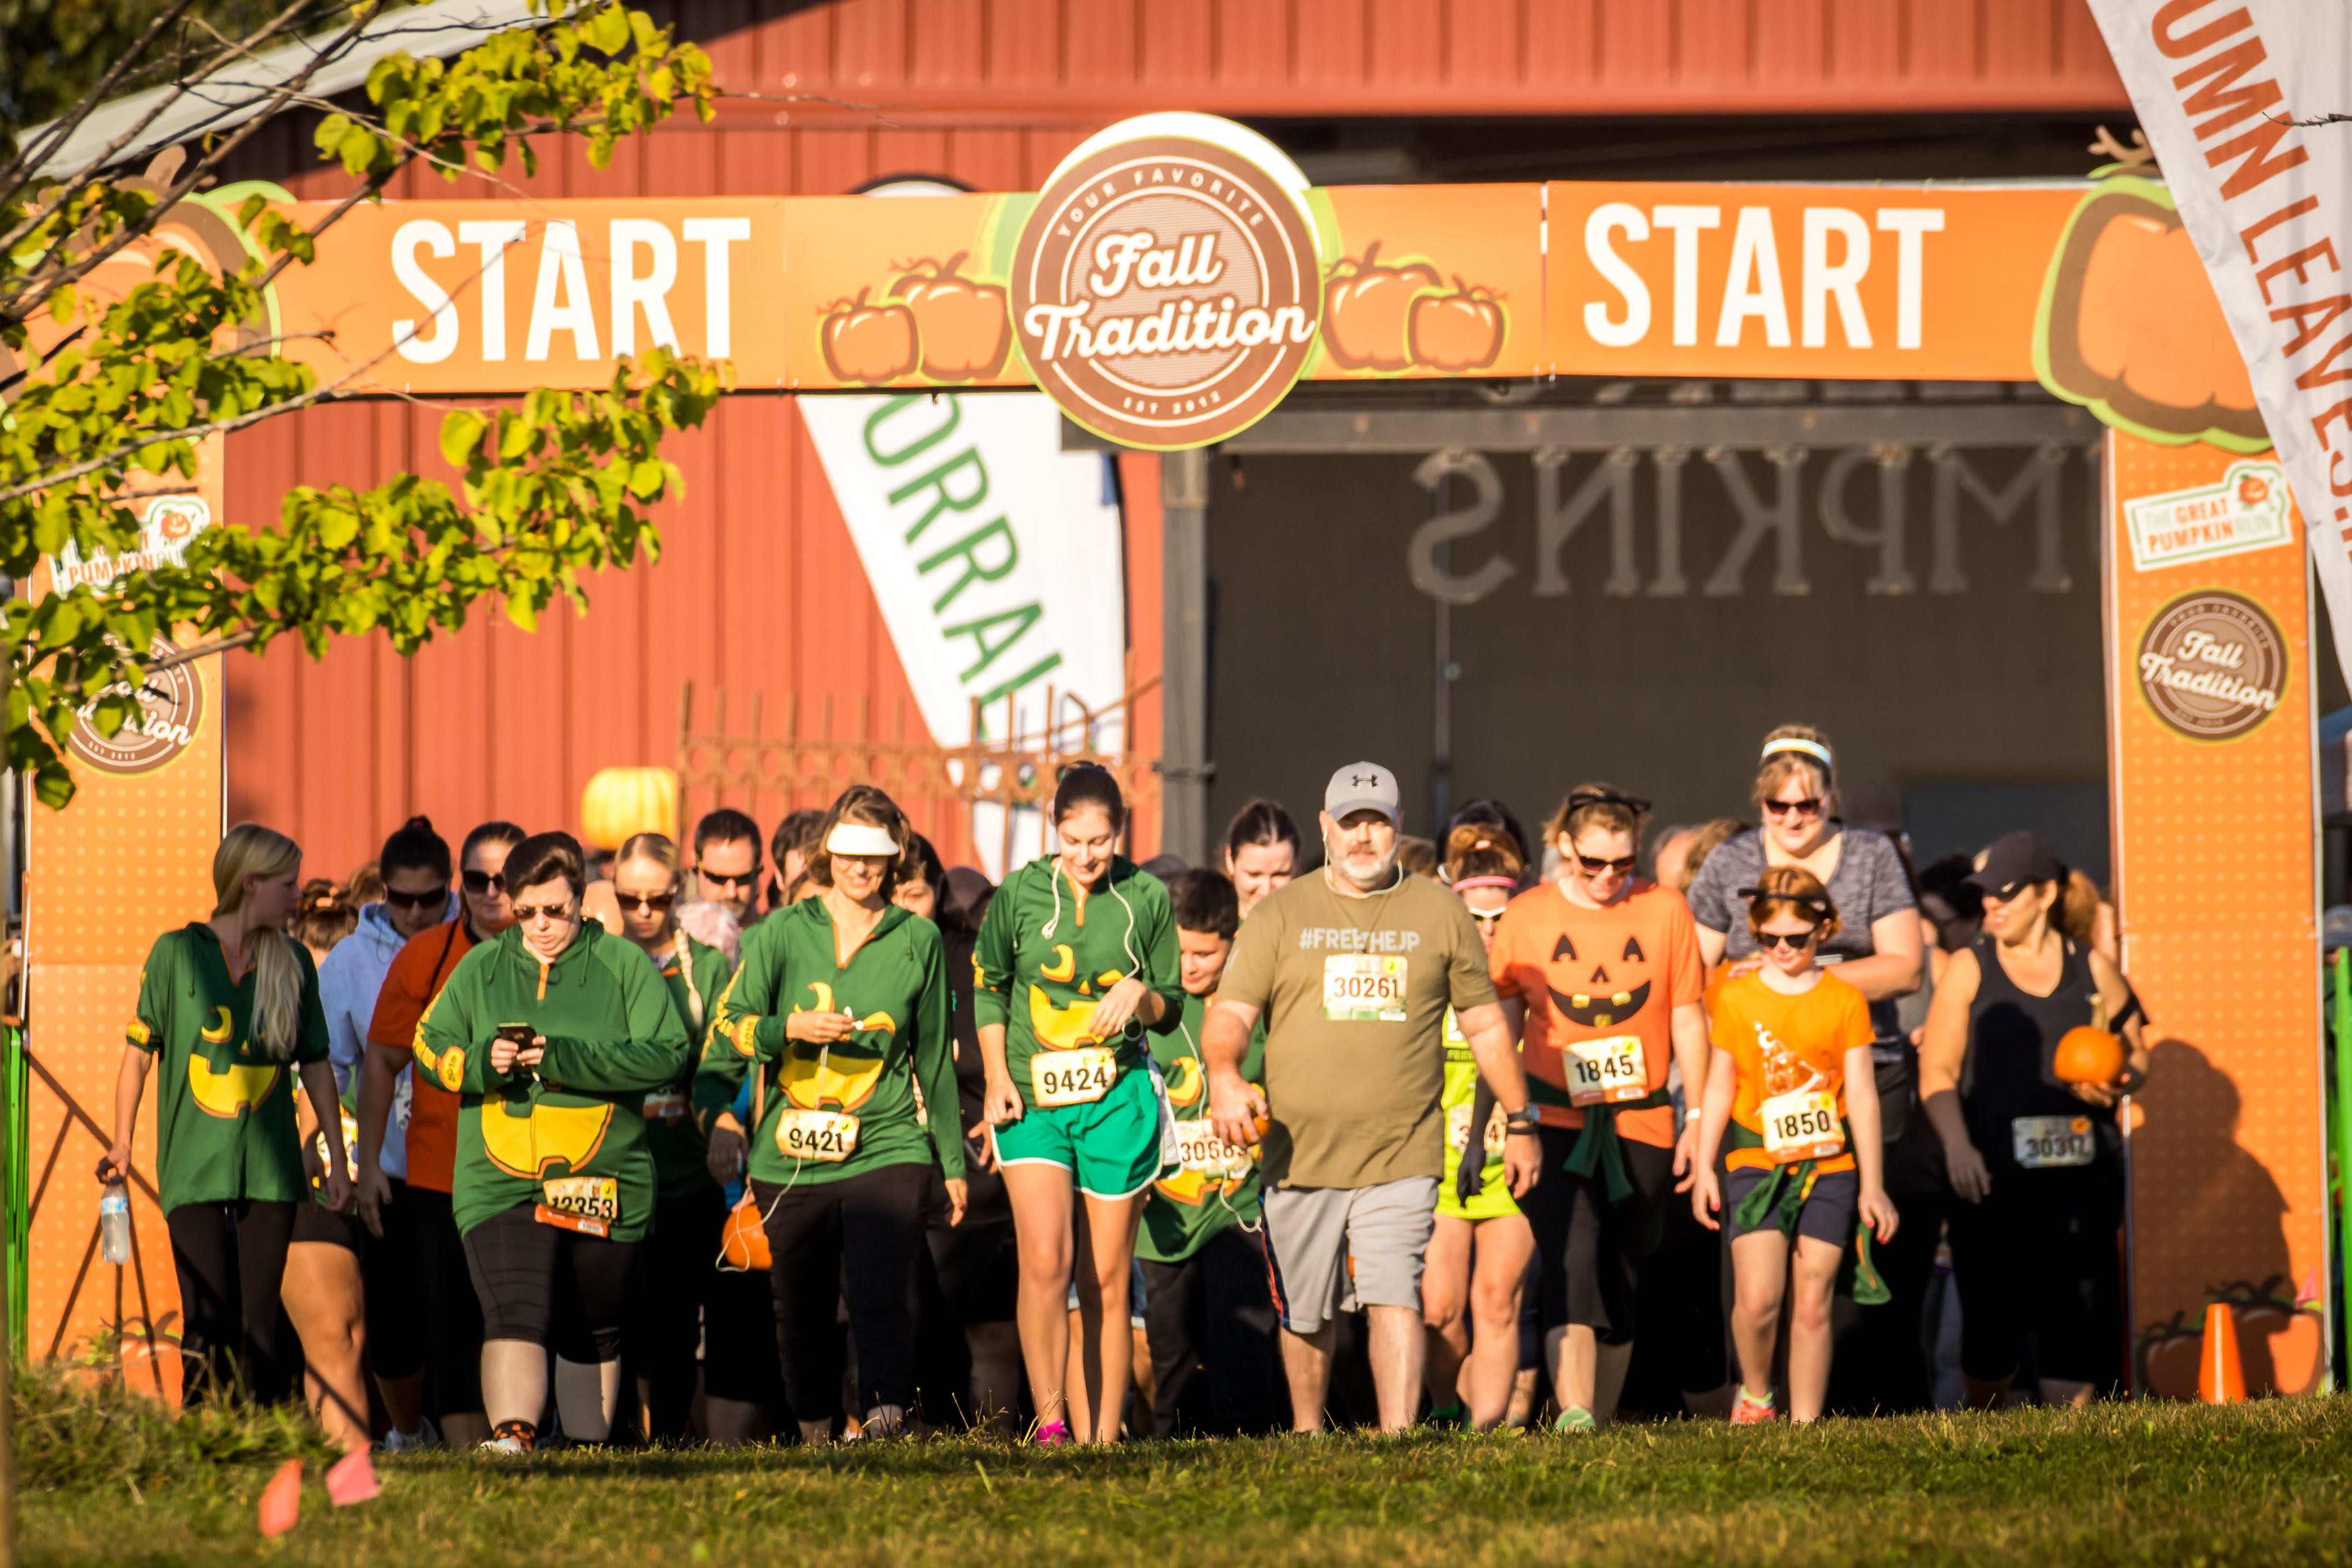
[(1809, 806), (480, 882), (1592, 868), (659, 903), (430, 899), (1773, 940), (1486, 916), (740, 880), (526, 913)]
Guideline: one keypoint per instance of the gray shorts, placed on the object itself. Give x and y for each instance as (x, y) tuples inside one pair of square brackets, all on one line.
[(1337, 1248)]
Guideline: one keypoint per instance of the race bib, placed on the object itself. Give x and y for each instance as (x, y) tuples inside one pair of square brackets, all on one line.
[(351, 1148), (1802, 1126), (1458, 1131), (2044, 1142), (666, 1105), (827, 1135), (1078, 1077), (582, 1197), (1604, 1072), (1363, 988), (1197, 1148), (404, 1095)]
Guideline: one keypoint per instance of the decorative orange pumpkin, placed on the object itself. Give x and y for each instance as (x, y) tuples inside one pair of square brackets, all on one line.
[(1458, 332), (868, 343), (2169, 1356), (2088, 1055), (2281, 1345), (622, 801), (962, 325), (2128, 326), (1366, 307)]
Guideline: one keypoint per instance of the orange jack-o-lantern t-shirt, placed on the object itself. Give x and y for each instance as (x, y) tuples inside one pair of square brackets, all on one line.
[(1601, 987)]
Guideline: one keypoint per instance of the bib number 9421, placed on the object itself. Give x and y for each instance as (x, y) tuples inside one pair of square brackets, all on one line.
[(1077, 1077), (830, 1136)]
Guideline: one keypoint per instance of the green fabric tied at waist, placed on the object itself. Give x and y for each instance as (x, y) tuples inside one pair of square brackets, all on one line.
[(1596, 1146), (1780, 1197)]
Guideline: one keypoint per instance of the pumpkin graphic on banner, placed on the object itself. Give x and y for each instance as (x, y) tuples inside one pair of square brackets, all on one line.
[(2128, 326)]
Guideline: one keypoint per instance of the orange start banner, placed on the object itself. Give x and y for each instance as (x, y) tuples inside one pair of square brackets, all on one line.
[(1871, 282)]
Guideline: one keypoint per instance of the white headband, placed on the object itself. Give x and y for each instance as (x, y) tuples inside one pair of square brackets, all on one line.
[(1813, 749), (857, 839)]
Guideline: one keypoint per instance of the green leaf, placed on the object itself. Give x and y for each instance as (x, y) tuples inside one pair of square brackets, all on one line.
[(647, 476), (461, 432), (62, 302)]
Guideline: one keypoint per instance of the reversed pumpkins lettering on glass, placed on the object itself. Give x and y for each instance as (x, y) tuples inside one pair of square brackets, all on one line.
[(933, 321)]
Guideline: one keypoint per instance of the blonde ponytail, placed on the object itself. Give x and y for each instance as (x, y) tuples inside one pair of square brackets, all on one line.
[(253, 850), (2076, 911)]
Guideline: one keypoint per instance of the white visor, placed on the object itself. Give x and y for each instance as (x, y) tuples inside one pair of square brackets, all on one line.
[(857, 839)]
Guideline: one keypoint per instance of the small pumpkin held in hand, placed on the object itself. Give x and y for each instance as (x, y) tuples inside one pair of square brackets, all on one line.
[(2088, 1055)]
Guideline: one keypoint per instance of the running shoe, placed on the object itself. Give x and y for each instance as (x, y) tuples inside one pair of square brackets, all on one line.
[(1750, 1411), (1575, 1419), (1053, 1434), (882, 1423), (426, 1436), (512, 1438), (1452, 1417)]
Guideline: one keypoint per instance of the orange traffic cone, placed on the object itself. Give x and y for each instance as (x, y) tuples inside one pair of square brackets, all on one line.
[(2220, 1378)]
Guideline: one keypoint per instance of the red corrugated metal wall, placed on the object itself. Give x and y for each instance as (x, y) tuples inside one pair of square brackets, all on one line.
[(759, 588)]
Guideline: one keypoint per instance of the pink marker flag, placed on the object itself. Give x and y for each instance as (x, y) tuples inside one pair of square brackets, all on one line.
[(352, 1478)]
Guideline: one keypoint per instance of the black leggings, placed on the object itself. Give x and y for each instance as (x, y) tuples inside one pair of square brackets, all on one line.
[(1590, 1250), (853, 1239), (519, 1267), (453, 1313), (667, 1320), (2037, 1257), (231, 1260), (1212, 1324)]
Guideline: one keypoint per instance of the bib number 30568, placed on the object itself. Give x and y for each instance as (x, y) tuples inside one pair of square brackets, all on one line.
[(1363, 988), (1077, 1077), (1802, 1126), (1605, 1071), (2043, 1142), (804, 1135), (1197, 1148)]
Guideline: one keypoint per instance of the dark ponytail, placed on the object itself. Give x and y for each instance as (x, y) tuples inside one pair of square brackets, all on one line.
[(414, 847), (1089, 783)]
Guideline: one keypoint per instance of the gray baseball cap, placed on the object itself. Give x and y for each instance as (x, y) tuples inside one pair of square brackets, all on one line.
[(1363, 787)]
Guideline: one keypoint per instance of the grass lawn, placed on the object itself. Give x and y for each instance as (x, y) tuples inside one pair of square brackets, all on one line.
[(105, 1481)]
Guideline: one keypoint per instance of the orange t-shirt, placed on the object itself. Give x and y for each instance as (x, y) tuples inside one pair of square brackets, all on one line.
[(415, 977), (1782, 1044), (1589, 976)]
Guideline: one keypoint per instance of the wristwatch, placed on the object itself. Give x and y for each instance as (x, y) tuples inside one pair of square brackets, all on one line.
[(1523, 1120)]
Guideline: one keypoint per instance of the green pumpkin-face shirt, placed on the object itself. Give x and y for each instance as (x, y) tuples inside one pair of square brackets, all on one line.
[(224, 1106), (696, 973)]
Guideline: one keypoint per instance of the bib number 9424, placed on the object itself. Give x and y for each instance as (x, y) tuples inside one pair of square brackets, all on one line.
[(1077, 1077)]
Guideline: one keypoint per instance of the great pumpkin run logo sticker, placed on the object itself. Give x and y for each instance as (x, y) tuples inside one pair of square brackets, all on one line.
[(1167, 287), (2212, 665)]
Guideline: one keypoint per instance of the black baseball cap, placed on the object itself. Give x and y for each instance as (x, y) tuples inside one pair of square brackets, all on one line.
[(2013, 859)]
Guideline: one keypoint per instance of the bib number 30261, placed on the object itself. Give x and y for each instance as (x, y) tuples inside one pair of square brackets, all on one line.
[(1363, 988), (1078, 1077), (2043, 1142), (830, 1136), (1802, 1126), (1606, 1071)]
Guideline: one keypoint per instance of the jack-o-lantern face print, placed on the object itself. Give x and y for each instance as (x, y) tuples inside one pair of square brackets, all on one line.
[(1604, 993)]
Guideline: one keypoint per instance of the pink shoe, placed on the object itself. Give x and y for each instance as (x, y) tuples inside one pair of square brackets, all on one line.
[(1053, 1434), (1750, 1412)]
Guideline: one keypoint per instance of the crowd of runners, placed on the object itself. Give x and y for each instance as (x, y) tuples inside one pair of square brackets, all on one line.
[(805, 1135)]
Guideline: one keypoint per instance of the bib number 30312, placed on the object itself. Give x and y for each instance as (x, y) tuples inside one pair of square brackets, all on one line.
[(2043, 1142), (830, 1136), (1363, 988), (1606, 1071), (1802, 1126), (1078, 1077)]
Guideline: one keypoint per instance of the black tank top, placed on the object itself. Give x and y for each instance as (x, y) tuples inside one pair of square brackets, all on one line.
[(2013, 1046)]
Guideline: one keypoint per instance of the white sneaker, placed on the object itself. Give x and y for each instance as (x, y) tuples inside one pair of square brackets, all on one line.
[(505, 1445), (882, 1423), (426, 1436)]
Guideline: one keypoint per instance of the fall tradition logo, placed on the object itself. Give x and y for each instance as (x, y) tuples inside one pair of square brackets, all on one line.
[(2212, 665), (171, 712), (1166, 287)]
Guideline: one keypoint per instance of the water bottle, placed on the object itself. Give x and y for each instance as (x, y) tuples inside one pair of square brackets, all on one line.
[(115, 1223)]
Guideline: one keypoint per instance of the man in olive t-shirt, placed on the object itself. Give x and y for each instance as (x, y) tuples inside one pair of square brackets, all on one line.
[(1354, 967)]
